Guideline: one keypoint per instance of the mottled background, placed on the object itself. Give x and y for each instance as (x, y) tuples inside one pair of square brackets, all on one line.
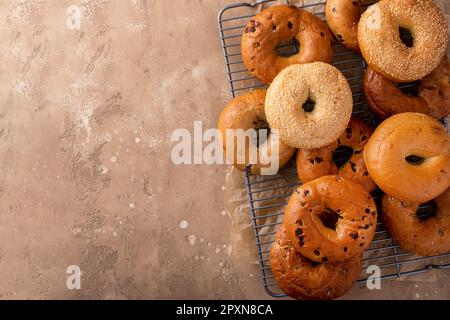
[(85, 171)]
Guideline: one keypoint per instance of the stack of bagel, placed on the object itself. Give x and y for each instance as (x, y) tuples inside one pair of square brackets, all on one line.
[(331, 218)]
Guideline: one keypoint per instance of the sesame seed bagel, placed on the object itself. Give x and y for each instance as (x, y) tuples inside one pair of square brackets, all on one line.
[(330, 219), (342, 18), (300, 125), (408, 157), (279, 24), (384, 51), (427, 237), (302, 278), (247, 112)]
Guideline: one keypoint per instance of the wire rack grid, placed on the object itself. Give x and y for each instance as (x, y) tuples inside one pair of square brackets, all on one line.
[(267, 196)]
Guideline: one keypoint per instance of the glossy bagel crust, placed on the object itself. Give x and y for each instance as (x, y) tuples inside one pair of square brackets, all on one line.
[(381, 45), (315, 163), (391, 146), (326, 87), (246, 112), (304, 279), (315, 200), (427, 238), (342, 18), (279, 24), (385, 99)]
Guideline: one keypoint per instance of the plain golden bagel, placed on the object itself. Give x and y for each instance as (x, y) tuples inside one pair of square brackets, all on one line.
[(309, 125), (408, 157), (247, 112), (384, 51), (277, 25), (433, 98), (304, 279), (330, 219), (315, 163), (342, 18), (427, 238)]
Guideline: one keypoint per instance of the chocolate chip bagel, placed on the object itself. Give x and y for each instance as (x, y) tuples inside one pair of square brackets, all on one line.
[(315, 163), (342, 18), (276, 25), (302, 278), (330, 219)]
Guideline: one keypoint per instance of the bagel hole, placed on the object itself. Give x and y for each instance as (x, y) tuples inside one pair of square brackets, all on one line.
[(261, 137), (310, 262), (288, 48), (329, 218), (410, 88), (341, 155), (414, 160), (406, 37), (426, 210), (309, 105)]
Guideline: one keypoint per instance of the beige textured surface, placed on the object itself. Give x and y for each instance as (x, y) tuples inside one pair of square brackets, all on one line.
[(85, 172)]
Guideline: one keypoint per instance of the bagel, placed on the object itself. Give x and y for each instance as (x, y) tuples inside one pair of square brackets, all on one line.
[(386, 99), (315, 163), (247, 112), (342, 18), (302, 278), (427, 238), (381, 45), (300, 124), (330, 219), (279, 24), (408, 157)]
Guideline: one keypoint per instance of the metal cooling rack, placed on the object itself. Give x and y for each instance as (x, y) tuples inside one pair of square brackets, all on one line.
[(268, 195)]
